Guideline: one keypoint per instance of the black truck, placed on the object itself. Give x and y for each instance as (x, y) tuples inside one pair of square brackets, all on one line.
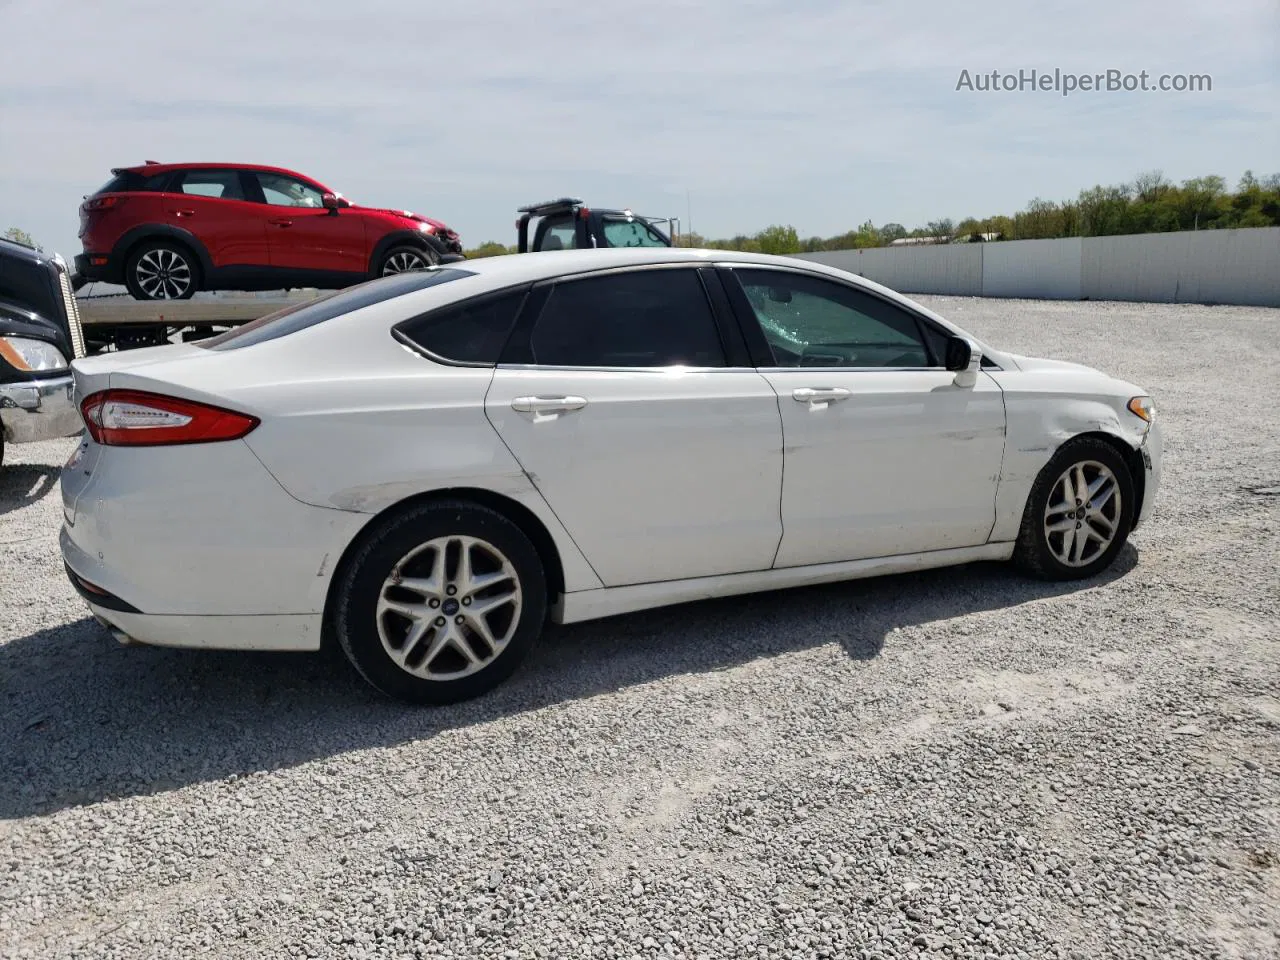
[(40, 334), (569, 224)]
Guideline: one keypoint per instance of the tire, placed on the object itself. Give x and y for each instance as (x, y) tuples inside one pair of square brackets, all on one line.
[(402, 257), (1052, 555), (437, 670), (162, 270)]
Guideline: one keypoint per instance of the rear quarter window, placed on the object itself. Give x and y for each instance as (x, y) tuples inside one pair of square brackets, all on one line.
[(300, 316), (471, 333)]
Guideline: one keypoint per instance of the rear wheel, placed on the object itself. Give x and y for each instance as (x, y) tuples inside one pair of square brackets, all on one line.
[(441, 603), (160, 270), (404, 258), (1079, 514)]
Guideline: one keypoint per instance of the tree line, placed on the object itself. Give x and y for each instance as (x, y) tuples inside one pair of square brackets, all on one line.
[(1150, 203)]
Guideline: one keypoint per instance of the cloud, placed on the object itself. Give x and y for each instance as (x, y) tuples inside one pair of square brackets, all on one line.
[(820, 114)]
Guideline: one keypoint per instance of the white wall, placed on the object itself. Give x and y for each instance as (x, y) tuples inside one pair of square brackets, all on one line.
[(1203, 266), (1036, 269), (923, 269)]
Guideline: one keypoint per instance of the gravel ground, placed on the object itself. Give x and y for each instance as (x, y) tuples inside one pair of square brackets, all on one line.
[(959, 763)]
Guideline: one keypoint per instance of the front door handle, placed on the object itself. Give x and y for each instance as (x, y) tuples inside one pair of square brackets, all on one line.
[(185, 213), (281, 223), (548, 404), (819, 394)]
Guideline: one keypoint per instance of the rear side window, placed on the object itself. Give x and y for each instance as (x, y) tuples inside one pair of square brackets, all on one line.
[(215, 184), (473, 332), (299, 316), (641, 318)]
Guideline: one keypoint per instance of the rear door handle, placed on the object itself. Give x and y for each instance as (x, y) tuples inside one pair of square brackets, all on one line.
[(819, 394), (185, 213), (281, 223), (548, 404)]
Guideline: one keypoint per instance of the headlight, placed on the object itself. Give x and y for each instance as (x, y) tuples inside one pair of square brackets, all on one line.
[(426, 227), (1143, 407), (31, 356)]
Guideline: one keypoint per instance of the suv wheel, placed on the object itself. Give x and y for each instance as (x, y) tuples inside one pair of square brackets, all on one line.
[(159, 270), (404, 258)]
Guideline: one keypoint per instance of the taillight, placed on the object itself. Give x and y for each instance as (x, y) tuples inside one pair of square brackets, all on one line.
[(102, 203), (136, 418)]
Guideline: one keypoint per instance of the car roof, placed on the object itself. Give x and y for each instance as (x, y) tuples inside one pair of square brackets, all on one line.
[(515, 268), (167, 167)]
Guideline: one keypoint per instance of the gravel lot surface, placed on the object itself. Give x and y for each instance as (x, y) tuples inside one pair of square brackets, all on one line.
[(960, 763)]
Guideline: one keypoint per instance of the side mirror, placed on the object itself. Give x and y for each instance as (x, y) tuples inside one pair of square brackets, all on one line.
[(964, 359), (331, 202)]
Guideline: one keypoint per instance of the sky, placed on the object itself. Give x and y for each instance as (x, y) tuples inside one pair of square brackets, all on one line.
[(730, 114)]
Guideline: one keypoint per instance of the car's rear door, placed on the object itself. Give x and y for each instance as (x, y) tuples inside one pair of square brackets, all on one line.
[(210, 203), (630, 403), (885, 453), (305, 235)]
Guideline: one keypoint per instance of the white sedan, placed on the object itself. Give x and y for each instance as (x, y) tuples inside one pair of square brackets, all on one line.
[(427, 468)]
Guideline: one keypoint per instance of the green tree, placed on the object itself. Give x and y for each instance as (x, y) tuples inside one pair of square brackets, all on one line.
[(490, 248), (1200, 196), (778, 240), (892, 231), (20, 236)]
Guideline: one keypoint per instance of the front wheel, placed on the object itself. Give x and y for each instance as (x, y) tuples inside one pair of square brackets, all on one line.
[(441, 603), (404, 258), (1079, 513)]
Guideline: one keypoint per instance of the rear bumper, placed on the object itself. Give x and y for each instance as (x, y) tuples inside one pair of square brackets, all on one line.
[(39, 410), (298, 633), (106, 271)]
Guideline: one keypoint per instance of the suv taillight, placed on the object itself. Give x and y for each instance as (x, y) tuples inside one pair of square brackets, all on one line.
[(103, 203), (136, 418)]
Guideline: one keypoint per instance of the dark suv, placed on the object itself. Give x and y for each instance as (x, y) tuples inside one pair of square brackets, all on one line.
[(167, 230), (40, 335)]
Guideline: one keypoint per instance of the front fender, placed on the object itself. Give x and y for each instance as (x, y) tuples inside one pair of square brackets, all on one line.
[(1039, 423)]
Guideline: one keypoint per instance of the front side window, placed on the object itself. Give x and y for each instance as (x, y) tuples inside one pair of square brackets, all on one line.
[(640, 318), (619, 232), (471, 332), (214, 184), (809, 321), (281, 191)]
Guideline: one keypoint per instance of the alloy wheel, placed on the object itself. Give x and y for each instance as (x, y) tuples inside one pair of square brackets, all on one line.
[(1083, 516), (449, 608), (163, 274), (404, 261)]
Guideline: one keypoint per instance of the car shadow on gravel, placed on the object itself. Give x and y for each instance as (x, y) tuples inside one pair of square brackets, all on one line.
[(22, 484), (83, 719)]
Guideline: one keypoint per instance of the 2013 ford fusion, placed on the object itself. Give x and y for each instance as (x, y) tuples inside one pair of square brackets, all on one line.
[(429, 467)]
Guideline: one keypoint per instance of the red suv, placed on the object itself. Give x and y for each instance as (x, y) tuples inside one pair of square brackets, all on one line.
[(166, 230)]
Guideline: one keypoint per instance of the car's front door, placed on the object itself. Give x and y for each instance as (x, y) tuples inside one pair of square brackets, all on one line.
[(646, 431), (211, 204), (305, 235), (885, 453)]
